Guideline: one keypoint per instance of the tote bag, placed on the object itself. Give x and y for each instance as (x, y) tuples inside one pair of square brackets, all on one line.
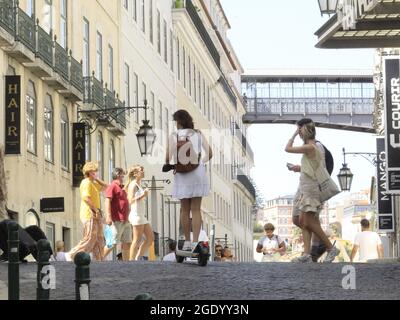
[(327, 187)]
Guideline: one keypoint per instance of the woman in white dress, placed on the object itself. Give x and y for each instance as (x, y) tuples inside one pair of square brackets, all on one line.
[(140, 225), (189, 187)]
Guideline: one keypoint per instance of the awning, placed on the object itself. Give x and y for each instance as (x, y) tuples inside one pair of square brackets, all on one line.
[(377, 28)]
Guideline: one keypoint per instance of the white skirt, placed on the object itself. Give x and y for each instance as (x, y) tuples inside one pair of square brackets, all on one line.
[(193, 184)]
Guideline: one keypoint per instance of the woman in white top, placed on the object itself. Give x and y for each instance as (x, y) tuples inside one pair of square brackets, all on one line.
[(189, 187), (307, 200), (137, 218)]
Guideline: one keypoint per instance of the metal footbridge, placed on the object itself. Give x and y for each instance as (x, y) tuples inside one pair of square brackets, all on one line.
[(337, 99)]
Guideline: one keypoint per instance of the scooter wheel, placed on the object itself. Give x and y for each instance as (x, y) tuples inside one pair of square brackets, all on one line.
[(179, 259), (202, 259)]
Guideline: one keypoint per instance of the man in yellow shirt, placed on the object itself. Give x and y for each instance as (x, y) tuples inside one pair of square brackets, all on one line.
[(90, 214)]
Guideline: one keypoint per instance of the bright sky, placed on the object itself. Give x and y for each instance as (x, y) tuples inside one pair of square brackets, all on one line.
[(270, 34)]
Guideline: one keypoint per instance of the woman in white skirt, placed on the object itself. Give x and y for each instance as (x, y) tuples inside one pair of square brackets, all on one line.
[(140, 225), (189, 187)]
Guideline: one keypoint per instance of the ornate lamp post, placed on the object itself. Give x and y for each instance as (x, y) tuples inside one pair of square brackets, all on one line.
[(327, 6)]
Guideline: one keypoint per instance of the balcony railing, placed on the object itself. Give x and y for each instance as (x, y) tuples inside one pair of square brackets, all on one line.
[(194, 16), (61, 59), (121, 117), (76, 76), (44, 46), (7, 16), (93, 91), (245, 181), (228, 90), (26, 30)]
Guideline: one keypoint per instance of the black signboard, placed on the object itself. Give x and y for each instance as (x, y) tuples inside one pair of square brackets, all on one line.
[(384, 199), (392, 112), (52, 205), (385, 223), (13, 115), (78, 152)]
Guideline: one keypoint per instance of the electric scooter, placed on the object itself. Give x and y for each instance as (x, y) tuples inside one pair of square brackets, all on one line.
[(201, 252)]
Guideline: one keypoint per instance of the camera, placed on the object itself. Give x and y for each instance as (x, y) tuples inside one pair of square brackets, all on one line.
[(168, 167)]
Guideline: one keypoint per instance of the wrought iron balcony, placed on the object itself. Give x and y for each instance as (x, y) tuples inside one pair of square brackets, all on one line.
[(7, 16), (93, 91), (25, 32), (228, 90), (194, 16), (44, 48), (245, 181), (76, 73), (121, 116), (61, 61)]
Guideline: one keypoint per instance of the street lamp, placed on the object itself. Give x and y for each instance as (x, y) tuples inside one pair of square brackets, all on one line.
[(345, 176), (327, 6), (146, 138)]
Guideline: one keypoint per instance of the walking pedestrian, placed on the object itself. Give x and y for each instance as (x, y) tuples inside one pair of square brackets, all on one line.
[(90, 214), (368, 242), (307, 201), (117, 213), (271, 245), (141, 226), (60, 251), (189, 187)]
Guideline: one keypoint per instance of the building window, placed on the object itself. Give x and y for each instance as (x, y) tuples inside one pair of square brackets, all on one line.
[(127, 86), (48, 129), (100, 154), (158, 32), (99, 56), (184, 66), (151, 21), (63, 23), (88, 145), (31, 110), (166, 119), (111, 68), (190, 76), (194, 84), (136, 88), (153, 108), (143, 17), (165, 42), (48, 16), (51, 233), (178, 61), (30, 8), (126, 4), (160, 120), (111, 163), (171, 40), (134, 10), (144, 95), (64, 138), (86, 48)]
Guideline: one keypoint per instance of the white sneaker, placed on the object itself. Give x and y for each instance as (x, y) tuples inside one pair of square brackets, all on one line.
[(187, 246), (331, 255), (305, 258)]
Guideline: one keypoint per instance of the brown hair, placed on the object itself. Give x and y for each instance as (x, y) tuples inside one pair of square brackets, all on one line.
[(184, 119), (309, 128), (269, 226)]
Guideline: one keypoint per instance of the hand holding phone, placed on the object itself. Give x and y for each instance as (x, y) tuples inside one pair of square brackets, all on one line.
[(290, 166)]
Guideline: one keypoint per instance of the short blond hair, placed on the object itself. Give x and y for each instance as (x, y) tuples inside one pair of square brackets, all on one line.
[(59, 245), (88, 167), (269, 226)]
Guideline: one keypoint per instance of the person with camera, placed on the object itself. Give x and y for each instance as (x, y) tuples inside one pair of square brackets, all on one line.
[(190, 151), (90, 214)]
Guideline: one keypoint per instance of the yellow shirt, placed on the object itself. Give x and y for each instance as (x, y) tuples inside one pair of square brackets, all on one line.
[(92, 190)]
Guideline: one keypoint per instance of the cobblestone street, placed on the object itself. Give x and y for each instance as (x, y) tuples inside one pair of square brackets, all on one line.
[(217, 281)]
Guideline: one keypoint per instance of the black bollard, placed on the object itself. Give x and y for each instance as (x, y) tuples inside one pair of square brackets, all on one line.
[(45, 276), (143, 296), (13, 261), (82, 276)]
